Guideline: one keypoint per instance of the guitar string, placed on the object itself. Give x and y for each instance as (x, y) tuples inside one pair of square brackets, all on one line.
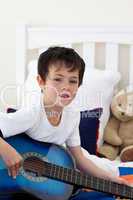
[(65, 174)]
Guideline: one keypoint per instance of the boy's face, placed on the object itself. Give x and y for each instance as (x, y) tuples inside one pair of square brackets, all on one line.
[(60, 86)]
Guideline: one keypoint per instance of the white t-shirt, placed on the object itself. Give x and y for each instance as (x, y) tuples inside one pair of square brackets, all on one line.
[(34, 122)]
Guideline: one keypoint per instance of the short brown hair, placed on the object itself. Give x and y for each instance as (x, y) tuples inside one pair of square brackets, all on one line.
[(67, 56)]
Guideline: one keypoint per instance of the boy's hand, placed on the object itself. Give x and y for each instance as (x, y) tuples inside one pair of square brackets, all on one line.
[(118, 180), (11, 158)]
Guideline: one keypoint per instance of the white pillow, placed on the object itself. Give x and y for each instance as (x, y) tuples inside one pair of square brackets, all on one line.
[(31, 90), (96, 91)]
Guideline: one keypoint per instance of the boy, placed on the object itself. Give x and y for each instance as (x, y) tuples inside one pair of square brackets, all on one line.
[(60, 73)]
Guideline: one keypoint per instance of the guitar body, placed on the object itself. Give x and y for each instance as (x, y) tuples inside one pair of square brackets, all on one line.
[(41, 187)]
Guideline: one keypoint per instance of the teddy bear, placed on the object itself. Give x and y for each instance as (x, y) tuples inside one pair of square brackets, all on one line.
[(118, 133)]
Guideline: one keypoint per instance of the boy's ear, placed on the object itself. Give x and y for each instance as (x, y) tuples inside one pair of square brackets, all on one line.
[(40, 81)]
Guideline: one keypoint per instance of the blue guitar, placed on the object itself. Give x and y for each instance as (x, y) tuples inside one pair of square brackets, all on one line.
[(48, 173)]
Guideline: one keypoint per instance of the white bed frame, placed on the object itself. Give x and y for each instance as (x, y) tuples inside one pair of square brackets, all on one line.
[(35, 37)]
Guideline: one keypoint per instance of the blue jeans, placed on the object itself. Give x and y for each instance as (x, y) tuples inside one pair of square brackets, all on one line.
[(80, 196), (92, 196)]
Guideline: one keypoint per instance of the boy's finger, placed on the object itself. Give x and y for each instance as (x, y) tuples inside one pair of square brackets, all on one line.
[(17, 166), (123, 181), (9, 173), (13, 171)]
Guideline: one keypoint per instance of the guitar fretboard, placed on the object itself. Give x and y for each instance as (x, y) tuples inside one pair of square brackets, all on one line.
[(75, 177)]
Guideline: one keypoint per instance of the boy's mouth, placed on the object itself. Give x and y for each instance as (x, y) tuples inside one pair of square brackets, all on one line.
[(65, 95)]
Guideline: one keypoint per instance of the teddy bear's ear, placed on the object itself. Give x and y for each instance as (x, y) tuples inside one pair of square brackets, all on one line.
[(121, 92)]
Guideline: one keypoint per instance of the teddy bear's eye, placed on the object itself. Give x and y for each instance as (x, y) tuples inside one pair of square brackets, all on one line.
[(119, 104), (130, 104)]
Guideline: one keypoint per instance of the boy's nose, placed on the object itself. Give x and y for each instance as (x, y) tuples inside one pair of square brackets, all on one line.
[(65, 84), (65, 88)]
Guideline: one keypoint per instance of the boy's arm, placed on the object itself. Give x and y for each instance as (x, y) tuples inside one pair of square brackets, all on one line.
[(86, 165), (17, 122), (12, 124), (11, 157)]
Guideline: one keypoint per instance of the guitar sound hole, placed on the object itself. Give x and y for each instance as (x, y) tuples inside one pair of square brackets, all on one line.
[(33, 166), (31, 173)]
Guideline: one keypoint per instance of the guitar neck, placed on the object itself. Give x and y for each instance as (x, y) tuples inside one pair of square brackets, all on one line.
[(75, 177)]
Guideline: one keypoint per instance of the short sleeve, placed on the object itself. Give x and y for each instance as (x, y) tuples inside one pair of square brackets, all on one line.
[(17, 122), (74, 139)]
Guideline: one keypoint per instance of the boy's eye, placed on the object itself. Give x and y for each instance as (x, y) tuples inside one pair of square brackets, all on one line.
[(60, 80), (73, 81), (57, 79)]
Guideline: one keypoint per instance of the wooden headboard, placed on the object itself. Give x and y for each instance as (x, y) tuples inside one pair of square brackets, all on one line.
[(111, 46)]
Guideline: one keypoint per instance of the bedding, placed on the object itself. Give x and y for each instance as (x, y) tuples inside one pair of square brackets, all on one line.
[(89, 129), (97, 91)]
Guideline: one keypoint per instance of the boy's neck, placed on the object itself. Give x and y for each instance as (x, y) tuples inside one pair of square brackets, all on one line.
[(53, 113), (53, 116)]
